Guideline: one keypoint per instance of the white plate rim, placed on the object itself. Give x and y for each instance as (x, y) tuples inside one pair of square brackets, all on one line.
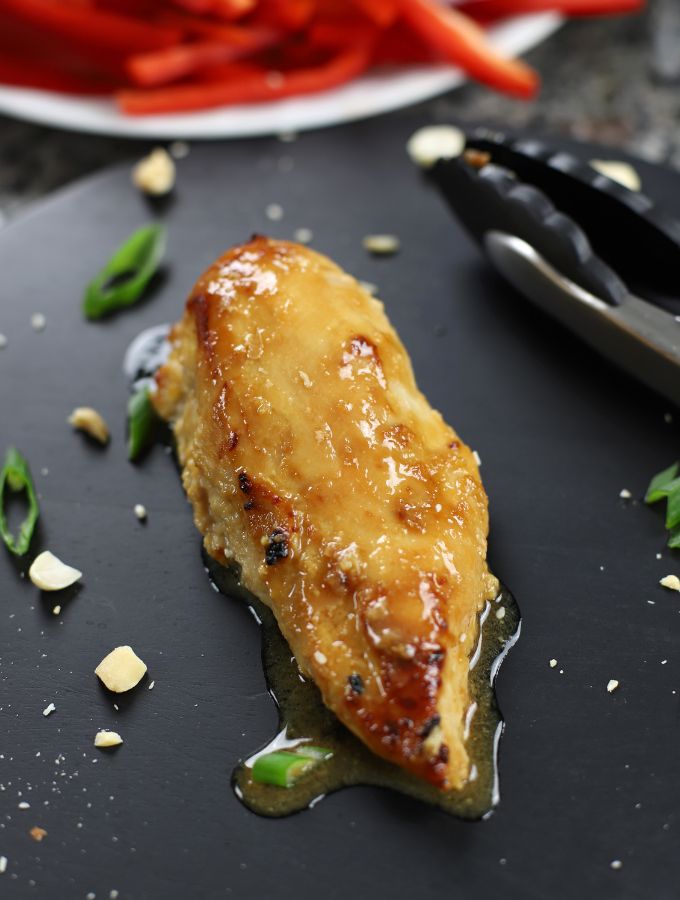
[(373, 94)]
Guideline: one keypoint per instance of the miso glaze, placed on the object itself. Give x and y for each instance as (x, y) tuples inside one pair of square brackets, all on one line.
[(304, 718)]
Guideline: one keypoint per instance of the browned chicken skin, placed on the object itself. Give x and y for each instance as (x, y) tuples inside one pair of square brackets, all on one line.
[(313, 461)]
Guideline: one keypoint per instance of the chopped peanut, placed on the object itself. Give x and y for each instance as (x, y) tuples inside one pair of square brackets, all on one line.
[(86, 419)]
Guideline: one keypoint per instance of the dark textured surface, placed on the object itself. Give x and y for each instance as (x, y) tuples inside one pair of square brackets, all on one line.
[(586, 777)]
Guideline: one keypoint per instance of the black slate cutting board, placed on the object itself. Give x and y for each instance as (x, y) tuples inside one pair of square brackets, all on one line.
[(586, 777)]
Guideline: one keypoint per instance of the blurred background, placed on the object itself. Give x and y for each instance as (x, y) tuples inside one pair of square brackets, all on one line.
[(614, 80)]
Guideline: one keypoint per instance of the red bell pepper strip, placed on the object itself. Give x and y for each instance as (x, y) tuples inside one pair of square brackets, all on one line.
[(33, 73), (487, 10), (287, 15), (260, 86), (382, 13), (94, 28), (462, 42), (163, 66)]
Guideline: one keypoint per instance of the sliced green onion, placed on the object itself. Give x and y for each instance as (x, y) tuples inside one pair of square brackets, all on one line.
[(126, 275), (662, 484), (673, 508), (16, 476), (284, 768), (674, 538), (142, 422)]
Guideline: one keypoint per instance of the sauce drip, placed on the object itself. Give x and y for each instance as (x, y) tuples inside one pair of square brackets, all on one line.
[(303, 718)]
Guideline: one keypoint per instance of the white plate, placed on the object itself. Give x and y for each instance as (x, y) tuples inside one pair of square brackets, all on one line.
[(374, 93)]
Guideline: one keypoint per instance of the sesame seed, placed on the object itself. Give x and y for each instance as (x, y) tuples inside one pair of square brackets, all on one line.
[(612, 685), (478, 458), (179, 149), (38, 322), (500, 613), (56, 610), (3, 865), (140, 512), (274, 212), (616, 864), (303, 235), (382, 244), (625, 494), (553, 663), (24, 805), (320, 657), (49, 709)]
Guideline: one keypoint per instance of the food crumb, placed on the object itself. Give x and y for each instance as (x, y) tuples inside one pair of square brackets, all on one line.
[(121, 670), (38, 322), (152, 685), (612, 685), (625, 494), (320, 657), (179, 149), (37, 833), (433, 142), (659, 556), (49, 709), (553, 663), (3, 341), (382, 244), (49, 573), (500, 613), (303, 235), (56, 610), (672, 582), (621, 172), (24, 805), (3, 865), (663, 662), (155, 174), (106, 738), (616, 864), (274, 212), (140, 512), (369, 287), (91, 422)]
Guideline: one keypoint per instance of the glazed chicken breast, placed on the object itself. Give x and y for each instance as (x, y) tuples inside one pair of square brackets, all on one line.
[(354, 511)]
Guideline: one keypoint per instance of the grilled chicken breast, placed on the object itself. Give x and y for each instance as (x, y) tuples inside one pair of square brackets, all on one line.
[(354, 511)]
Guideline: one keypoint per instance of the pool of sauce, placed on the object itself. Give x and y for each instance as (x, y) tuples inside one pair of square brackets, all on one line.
[(303, 717)]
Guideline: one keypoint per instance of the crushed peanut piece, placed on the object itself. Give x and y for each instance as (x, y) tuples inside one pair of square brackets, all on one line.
[(49, 573), (382, 244), (106, 738), (88, 420), (56, 610), (121, 670), (37, 833), (553, 663), (433, 142), (155, 174), (621, 172), (612, 685), (672, 582)]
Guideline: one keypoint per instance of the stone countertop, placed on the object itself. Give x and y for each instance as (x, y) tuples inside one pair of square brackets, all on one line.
[(613, 81)]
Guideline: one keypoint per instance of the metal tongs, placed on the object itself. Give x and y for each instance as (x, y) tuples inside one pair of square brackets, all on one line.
[(602, 259)]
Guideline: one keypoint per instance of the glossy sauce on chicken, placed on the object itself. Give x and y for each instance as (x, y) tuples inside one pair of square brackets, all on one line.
[(353, 511)]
